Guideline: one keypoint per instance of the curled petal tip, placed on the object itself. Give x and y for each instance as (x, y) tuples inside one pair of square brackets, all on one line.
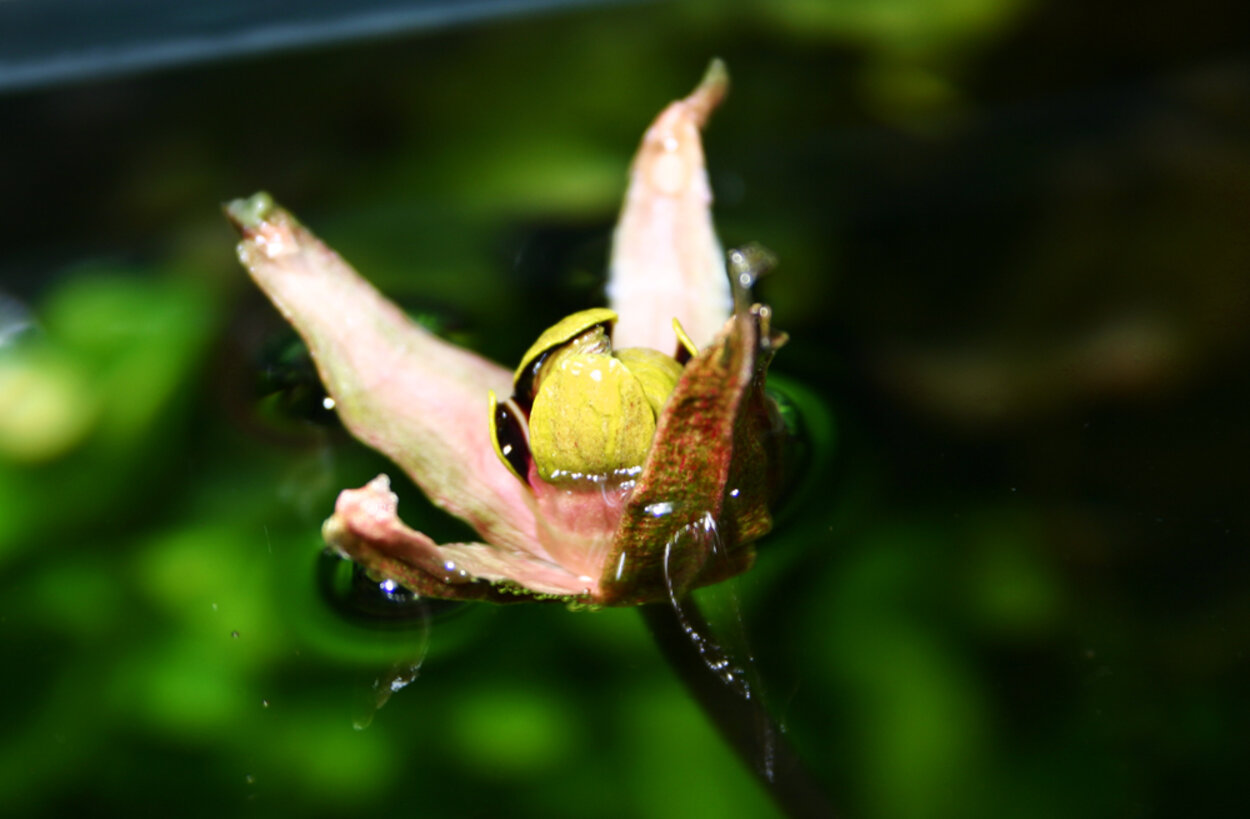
[(710, 92), (250, 213)]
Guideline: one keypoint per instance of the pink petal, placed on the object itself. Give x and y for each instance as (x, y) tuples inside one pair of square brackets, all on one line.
[(396, 387), (666, 260), (366, 529), (580, 522)]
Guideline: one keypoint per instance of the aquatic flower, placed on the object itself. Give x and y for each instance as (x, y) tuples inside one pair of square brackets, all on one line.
[(628, 458)]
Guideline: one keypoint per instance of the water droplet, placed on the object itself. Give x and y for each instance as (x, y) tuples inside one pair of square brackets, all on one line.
[(234, 634), (746, 265), (328, 402), (737, 677), (398, 677), (249, 779), (264, 703), (615, 489), (620, 565), (659, 510)]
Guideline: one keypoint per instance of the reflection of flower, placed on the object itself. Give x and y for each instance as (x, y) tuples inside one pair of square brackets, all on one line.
[(612, 476)]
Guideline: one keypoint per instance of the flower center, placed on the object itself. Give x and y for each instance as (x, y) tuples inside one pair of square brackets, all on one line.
[(592, 410)]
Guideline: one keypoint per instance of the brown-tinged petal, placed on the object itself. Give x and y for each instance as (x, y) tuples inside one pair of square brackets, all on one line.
[(702, 496), (666, 260), (396, 387), (365, 528)]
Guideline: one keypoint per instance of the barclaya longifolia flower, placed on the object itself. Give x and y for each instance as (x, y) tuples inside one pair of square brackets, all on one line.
[(631, 455)]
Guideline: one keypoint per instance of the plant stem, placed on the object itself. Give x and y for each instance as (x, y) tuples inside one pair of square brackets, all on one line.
[(722, 690)]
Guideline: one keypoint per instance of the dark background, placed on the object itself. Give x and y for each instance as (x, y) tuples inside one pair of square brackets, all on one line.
[(1013, 580)]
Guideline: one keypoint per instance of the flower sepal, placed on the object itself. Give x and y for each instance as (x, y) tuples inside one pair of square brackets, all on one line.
[(610, 477)]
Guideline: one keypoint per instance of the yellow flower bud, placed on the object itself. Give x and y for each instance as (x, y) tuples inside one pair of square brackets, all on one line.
[(592, 411)]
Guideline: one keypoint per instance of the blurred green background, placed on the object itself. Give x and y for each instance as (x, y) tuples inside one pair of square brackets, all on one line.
[(1012, 581)]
